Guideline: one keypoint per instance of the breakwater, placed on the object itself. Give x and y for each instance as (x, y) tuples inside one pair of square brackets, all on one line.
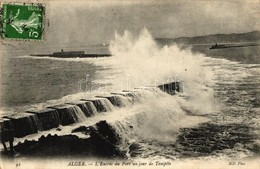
[(71, 55), (53, 117)]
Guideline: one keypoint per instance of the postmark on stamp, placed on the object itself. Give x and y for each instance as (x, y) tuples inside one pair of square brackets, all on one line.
[(22, 21)]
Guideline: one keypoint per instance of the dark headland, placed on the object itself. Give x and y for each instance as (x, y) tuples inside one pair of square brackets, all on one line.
[(216, 38), (242, 47)]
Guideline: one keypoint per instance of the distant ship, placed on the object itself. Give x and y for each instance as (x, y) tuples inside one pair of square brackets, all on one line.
[(71, 54), (216, 46)]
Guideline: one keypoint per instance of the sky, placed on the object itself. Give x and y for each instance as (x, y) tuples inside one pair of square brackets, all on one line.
[(91, 22)]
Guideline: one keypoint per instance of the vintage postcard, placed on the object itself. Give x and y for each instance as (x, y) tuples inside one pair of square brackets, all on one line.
[(168, 84)]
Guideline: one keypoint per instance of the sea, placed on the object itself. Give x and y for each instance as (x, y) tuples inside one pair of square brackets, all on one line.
[(217, 116)]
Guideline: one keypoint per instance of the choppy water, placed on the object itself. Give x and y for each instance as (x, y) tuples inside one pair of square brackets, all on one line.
[(232, 132), (218, 116)]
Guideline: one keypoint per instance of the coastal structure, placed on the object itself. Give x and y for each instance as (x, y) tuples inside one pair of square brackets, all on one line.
[(71, 54), (53, 117), (216, 46), (62, 53), (222, 46)]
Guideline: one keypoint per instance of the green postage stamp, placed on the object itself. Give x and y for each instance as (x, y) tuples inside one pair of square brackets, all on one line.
[(22, 21)]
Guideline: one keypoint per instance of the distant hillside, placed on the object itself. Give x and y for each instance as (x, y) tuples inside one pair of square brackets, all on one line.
[(217, 38)]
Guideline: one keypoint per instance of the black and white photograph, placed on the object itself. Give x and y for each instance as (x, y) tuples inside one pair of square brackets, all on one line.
[(130, 84)]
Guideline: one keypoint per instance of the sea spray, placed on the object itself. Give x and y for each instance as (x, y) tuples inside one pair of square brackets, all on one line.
[(144, 63), (141, 59), (160, 119)]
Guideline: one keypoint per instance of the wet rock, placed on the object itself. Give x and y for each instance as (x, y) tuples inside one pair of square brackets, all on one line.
[(105, 140), (55, 145), (82, 129), (108, 131), (171, 88)]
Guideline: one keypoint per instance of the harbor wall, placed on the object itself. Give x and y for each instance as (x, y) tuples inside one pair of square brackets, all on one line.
[(32, 122)]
